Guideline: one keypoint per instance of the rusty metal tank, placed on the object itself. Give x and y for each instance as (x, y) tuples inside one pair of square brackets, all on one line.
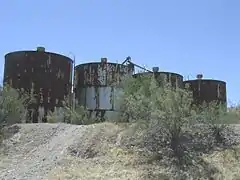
[(174, 79), (45, 74), (94, 86), (207, 90)]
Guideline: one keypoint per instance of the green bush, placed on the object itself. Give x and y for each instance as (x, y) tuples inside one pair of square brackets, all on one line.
[(214, 115), (12, 106), (79, 115), (150, 105), (168, 113), (134, 102)]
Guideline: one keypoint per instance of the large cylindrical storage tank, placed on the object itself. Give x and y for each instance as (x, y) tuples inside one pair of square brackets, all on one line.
[(95, 89), (174, 79), (207, 90), (47, 75)]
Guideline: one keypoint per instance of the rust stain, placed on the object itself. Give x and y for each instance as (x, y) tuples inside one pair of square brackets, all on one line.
[(24, 67), (97, 97), (56, 101), (207, 90), (101, 76), (112, 97)]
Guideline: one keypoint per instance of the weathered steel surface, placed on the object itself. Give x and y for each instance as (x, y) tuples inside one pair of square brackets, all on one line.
[(174, 79), (99, 98), (95, 85), (207, 90), (45, 74), (99, 74)]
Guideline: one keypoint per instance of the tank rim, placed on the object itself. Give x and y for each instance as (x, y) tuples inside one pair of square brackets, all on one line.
[(166, 72), (31, 51), (206, 80), (91, 63)]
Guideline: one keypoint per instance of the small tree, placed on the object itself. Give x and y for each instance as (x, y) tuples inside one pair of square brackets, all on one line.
[(159, 106), (135, 99), (172, 110)]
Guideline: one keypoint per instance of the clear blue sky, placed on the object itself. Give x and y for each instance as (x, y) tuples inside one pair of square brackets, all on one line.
[(184, 36)]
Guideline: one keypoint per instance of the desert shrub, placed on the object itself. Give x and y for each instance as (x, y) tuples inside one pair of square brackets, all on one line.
[(76, 116), (53, 117), (12, 106), (160, 109), (166, 117), (135, 99), (233, 114), (172, 112), (79, 115), (215, 117)]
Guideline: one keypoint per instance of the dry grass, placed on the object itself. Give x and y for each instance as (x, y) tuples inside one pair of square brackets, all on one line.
[(110, 162), (92, 169), (97, 155), (120, 164), (227, 162), (117, 163)]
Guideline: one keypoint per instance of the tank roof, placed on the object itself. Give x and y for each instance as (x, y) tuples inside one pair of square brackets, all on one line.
[(209, 80), (159, 72), (91, 63), (32, 51)]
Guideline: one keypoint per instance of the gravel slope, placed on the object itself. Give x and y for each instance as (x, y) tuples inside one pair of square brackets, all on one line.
[(36, 149), (63, 151)]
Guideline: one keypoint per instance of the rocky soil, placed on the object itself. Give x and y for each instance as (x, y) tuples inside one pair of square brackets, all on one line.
[(63, 151), (36, 149)]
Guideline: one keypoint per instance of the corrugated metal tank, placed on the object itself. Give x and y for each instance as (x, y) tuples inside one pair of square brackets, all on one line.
[(94, 86), (174, 79), (48, 75), (207, 90)]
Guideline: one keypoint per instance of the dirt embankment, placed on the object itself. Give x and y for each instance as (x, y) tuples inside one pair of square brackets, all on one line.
[(94, 152)]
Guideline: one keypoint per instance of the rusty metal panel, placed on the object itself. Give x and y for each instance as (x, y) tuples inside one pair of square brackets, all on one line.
[(45, 74), (82, 97), (207, 90), (117, 98), (106, 98), (95, 85), (98, 98), (99, 74), (101, 98), (91, 99)]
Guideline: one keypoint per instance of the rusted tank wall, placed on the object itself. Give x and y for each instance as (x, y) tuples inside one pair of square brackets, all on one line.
[(174, 79), (207, 90), (47, 75), (95, 87)]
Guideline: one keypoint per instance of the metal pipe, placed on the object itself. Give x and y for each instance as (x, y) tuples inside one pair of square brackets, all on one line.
[(128, 59), (73, 98), (141, 67), (73, 84)]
